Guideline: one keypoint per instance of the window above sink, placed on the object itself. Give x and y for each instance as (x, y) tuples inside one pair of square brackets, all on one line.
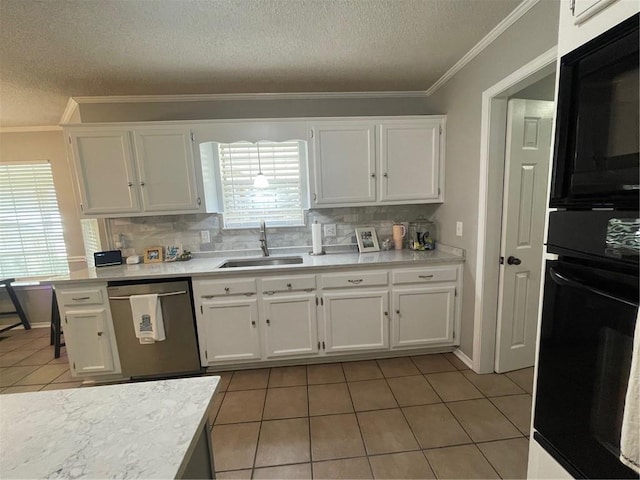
[(239, 169)]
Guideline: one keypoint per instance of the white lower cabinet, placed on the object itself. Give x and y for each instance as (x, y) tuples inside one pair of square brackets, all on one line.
[(290, 325), (423, 316), (355, 320), (85, 318), (248, 320), (230, 330), (88, 342), (425, 309)]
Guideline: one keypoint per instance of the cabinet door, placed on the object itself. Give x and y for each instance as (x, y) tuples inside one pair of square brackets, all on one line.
[(88, 342), (230, 330), (344, 163), (356, 320), (104, 165), (423, 316), (290, 325), (166, 170), (410, 160)]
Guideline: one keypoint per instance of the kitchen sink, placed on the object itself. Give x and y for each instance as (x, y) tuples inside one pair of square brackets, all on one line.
[(261, 262)]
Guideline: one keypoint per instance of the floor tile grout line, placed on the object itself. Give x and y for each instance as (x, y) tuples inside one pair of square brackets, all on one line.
[(255, 453), (410, 428), (355, 414), (505, 416)]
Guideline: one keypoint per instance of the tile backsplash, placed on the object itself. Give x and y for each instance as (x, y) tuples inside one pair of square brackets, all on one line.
[(137, 233)]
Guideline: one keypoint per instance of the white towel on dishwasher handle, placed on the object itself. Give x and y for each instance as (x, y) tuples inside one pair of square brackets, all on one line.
[(630, 438), (146, 312)]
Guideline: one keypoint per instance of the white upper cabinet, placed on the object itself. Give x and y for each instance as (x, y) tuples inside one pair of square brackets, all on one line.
[(583, 20), (166, 170), (409, 154), (344, 168), (104, 165), (380, 160), (131, 172)]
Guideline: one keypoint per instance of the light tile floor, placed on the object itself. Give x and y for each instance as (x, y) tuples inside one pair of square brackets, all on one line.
[(426, 416)]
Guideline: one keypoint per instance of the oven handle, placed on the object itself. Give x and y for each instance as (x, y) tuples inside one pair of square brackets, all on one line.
[(562, 280)]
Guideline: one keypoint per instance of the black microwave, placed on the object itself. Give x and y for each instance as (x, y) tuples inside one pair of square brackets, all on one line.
[(596, 160)]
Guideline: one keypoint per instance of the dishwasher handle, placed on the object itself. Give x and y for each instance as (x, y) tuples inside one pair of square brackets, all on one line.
[(183, 292)]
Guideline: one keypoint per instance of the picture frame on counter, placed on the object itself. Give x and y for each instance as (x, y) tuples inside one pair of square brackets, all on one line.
[(367, 240), (153, 255)]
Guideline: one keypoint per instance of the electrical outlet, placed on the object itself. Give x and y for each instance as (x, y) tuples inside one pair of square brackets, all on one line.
[(205, 237), (459, 229), (329, 229)]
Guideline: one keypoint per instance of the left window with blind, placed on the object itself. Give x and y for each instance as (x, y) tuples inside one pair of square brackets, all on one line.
[(31, 232)]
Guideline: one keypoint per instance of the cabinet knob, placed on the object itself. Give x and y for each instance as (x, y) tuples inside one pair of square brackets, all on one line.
[(226, 289), (398, 312), (289, 285), (386, 314), (386, 175), (268, 322), (99, 334), (373, 175), (253, 323), (130, 184), (142, 184)]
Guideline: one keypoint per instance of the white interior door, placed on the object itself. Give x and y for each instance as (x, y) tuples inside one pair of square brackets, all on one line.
[(527, 152)]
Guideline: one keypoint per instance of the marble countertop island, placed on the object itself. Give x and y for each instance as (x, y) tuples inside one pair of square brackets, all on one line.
[(133, 430)]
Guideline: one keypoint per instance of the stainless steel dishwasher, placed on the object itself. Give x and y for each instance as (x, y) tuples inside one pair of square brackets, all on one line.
[(178, 354)]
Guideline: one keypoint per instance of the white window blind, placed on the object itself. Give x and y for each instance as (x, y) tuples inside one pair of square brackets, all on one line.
[(279, 204), (31, 240), (91, 239)]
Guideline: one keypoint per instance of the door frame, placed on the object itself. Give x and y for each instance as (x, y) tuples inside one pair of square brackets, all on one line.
[(490, 205)]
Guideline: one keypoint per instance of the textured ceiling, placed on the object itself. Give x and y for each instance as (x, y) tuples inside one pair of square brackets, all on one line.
[(53, 49)]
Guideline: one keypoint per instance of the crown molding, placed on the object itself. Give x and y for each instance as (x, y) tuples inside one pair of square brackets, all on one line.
[(488, 39), (69, 111), (31, 129), (239, 96)]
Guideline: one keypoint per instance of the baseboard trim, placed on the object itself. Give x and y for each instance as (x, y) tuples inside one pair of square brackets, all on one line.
[(463, 357)]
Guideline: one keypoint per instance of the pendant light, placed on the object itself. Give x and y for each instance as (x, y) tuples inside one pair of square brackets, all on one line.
[(261, 180)]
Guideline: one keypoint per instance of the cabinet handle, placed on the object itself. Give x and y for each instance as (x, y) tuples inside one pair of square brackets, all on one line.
[(77, 299), (289, 285), (99, 334), (386, 314), (142, 184), (356, 281), (227, 289), (385, 175), (253, 323), (268, 322), (373, 175), (425, 276), (208, 296), (130, 184)]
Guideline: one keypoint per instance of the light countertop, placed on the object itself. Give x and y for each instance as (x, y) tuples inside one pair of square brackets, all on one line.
[(209, 266), (133, 430)]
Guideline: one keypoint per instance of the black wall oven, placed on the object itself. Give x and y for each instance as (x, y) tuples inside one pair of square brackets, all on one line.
[(597, 141), (588, 321)]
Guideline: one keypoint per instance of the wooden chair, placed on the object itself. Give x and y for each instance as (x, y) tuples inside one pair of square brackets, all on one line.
[(24, 321)]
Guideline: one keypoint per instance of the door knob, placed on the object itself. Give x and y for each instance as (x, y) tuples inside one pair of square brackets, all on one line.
[(513, 260)]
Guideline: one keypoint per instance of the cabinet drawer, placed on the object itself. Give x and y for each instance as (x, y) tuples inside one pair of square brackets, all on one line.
[(362, 279), (422, 275), (287, 284), (216, 288), (80, 297)]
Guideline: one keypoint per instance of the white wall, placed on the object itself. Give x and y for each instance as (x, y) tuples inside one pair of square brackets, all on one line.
[(461, 100)]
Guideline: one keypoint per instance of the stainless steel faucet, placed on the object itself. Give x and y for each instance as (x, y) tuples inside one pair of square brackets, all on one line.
[(263, 239)]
